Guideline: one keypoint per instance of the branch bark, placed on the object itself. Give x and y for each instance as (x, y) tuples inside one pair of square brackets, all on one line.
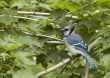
[(33, 13), (23, 18), (87, 70), (26, 18), (40, 35), (94, 43), (55, 42), (62, 63), (54, 67)]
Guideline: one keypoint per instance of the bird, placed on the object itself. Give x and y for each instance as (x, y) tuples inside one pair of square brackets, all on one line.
[(76, 45)]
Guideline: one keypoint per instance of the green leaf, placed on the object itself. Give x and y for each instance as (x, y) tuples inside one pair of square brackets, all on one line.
[(103, 0), (106, 61), (3, 3), (13, 47), (104, 3), (72, 6), (23, 55), (7, 20), (45, 6), (4, 55), (23, 59), (19, 4), (23, 73), (107, 75)]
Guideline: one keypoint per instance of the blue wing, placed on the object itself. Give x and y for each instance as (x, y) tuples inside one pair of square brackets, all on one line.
[(81, 45), (78, 43)]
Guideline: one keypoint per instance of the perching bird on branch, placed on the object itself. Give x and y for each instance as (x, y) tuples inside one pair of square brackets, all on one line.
[(76, 45)]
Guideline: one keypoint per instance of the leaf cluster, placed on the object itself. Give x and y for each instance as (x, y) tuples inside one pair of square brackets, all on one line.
[(23, 55)]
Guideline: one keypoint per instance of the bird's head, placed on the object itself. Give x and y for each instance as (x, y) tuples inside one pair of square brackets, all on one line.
[(67, 30)]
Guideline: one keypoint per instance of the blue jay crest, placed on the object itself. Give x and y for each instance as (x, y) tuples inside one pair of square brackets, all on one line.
[(76, 45)]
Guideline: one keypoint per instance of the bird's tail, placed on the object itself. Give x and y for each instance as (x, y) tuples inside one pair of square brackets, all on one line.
[(90, 61)]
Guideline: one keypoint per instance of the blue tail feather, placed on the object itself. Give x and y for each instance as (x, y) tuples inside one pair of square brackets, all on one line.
[(90, 61)]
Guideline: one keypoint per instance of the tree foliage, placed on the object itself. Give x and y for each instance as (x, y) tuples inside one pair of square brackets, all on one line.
[(23, 55)]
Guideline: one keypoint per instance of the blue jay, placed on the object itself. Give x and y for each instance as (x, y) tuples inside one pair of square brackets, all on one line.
[(76, 45)]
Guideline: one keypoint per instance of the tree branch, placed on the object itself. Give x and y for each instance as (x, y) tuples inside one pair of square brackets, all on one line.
[(25, 18), (39, 35), (54, 67), (44, 14), (47, 14), (93, 44)]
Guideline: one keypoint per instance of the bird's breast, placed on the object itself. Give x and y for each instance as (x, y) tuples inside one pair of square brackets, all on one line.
[(72, 49)]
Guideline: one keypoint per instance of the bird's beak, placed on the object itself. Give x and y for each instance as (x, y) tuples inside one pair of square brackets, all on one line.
[(62, 30)]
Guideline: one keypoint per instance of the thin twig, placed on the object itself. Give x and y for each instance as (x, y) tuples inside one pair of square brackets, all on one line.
[(107, 14), (40, 35), (33, 13), (86, 5), (75, 58), (23, 18), (93, 44), (86, 70), (55, 42)]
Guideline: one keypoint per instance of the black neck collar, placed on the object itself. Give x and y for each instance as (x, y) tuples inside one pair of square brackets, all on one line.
[(69, 33)]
